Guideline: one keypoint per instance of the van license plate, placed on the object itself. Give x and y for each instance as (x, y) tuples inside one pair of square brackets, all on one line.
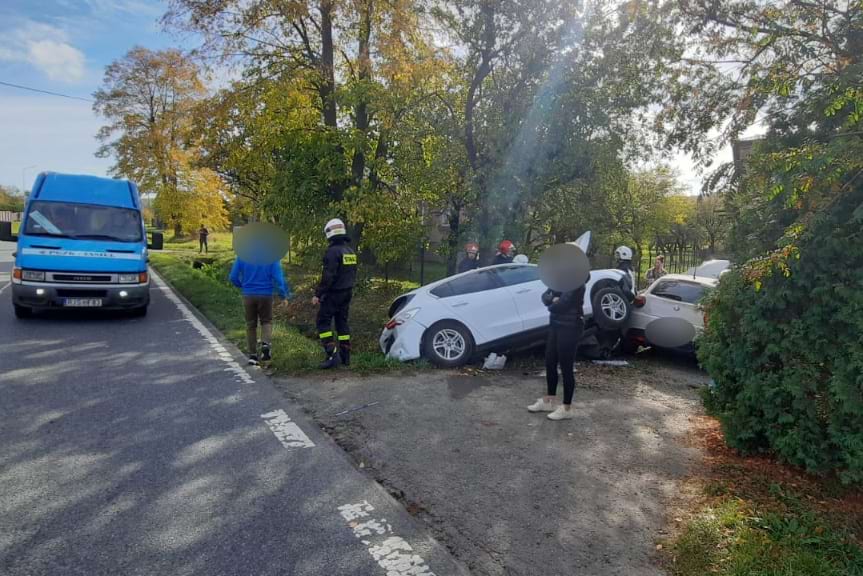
[(82, 302)]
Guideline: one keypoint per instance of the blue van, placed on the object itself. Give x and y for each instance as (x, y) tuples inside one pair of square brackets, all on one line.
[(81, 244)]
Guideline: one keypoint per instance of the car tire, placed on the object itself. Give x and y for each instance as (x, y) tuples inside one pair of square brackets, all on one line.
[(448, 344), (22, 312), (611, 308)]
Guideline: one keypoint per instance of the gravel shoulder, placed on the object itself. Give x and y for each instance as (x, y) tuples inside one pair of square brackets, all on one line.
[(512, 493)]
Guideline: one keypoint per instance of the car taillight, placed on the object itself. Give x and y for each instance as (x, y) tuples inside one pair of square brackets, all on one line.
[(639, 301), (391, 324)]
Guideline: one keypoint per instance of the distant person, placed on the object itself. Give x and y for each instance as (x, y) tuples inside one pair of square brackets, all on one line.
[(566, 323), (256, 281), (505, 253), (658, 270), (471, 258), (203, 234)]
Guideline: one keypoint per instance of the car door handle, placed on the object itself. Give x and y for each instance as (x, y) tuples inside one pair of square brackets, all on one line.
[(459, 305), (676, 308), (525, 291)]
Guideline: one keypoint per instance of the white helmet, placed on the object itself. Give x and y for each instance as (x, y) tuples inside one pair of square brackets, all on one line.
[(623, 253), (335, 227), (521, 259)]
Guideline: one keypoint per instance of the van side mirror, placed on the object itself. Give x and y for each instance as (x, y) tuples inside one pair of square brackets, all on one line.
[(156, 241)]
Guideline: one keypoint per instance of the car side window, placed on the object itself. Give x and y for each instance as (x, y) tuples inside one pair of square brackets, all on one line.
[(679, 291), (513, 275), (479, 281)]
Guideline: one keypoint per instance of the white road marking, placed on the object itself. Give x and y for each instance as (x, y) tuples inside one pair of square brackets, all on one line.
[(392, 553), (5, 277), (287, 431), (216, 346)]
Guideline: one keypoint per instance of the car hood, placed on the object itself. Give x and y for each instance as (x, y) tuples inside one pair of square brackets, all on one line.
[(65, 254)]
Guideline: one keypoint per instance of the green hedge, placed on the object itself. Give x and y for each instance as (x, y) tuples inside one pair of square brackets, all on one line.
[(784, 345)]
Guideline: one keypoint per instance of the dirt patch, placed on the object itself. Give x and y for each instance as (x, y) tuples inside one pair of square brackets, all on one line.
[(512, 493)]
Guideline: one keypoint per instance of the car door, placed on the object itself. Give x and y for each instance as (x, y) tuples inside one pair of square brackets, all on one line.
[(526, 289), (481, 301), (675, 298)]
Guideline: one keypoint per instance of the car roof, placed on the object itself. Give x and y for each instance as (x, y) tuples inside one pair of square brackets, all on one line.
[(704, 280), (437, 283), (56, 187), (710, 268)]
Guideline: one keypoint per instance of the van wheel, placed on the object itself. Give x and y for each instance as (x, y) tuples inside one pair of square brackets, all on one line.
[(138, 312), (611, 309), (448, 344), (23, 311)]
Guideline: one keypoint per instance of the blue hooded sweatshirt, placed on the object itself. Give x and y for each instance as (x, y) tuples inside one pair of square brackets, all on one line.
[(258, 279)]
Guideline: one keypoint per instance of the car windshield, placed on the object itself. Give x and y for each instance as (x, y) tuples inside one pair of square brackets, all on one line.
[(83, 221)]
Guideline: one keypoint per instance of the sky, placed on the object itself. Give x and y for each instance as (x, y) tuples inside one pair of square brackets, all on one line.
[(63, 46)]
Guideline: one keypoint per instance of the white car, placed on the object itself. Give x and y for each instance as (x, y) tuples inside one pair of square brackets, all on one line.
[(671, 296), (448, 322), (710, 268)]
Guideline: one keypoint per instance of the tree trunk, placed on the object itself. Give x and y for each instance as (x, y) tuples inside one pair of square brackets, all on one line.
[(361, 115), (327, 87), (453, 240)]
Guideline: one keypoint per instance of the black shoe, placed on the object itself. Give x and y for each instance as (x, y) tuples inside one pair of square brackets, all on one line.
[(345, 354), (330, 362), (265, 352), (253, 359)]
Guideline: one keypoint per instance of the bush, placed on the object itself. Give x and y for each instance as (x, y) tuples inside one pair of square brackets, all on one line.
[(784, 345)]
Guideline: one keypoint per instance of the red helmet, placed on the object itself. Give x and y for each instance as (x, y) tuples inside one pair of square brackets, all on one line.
[(506, 246), (471, 247)]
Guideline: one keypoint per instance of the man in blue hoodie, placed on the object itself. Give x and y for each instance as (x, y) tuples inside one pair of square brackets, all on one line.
[(256, 281)]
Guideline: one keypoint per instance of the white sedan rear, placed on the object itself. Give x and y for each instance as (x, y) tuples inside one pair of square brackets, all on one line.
[(671, 296)]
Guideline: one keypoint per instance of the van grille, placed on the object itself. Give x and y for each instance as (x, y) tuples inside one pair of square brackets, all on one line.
[(85, 278)]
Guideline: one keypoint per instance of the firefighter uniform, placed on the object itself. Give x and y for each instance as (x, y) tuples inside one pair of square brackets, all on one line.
[(334, 292)]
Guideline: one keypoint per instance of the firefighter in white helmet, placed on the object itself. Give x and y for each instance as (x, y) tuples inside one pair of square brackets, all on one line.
[(623, 254), (334, 294)]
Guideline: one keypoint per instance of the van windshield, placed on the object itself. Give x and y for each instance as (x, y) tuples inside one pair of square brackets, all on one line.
[(83, 221)]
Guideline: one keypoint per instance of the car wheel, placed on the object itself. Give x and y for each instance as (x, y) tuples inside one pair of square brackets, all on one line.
[(23, 311), (448, 344), (611, 309)]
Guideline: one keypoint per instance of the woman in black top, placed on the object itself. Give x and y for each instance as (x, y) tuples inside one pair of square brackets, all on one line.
[(566, 310)]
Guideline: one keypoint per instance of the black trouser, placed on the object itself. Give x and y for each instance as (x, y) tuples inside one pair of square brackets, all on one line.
[(335, 305), (203, 245), (560, 351)]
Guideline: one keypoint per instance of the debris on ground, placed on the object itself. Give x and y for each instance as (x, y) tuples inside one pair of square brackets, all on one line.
[(494, 362), (363, 407), (611, 362)]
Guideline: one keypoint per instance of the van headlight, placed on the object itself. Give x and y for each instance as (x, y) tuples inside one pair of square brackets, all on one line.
[(33, 275), (128, 278)]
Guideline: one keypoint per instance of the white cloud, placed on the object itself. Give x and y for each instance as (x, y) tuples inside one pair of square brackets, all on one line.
[(46, 48), (58, 60)]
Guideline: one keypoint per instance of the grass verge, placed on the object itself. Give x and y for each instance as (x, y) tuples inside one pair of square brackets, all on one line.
[(222, 304), (759, 518)]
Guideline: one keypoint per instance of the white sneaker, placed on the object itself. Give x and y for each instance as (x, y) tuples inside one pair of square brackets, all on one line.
[(561, 413), (542, 406)]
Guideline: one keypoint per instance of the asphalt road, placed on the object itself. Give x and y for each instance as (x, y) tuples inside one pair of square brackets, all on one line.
[(137, 446)]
